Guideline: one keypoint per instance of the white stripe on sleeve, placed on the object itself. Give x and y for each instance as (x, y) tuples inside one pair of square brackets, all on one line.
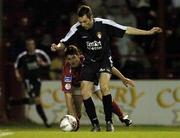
[(18, 58), (45, 55), (70, 33), (112, 23)]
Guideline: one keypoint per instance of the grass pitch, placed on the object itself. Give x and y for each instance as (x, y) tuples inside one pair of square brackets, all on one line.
[(29, 130)]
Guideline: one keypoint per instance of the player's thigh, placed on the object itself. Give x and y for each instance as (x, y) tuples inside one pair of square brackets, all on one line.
[(86, 89)]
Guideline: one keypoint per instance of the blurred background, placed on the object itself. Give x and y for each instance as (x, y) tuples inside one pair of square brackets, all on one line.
[(47, 21)]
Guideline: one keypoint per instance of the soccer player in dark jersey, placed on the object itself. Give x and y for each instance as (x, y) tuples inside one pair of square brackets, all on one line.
[(71, 85), (92, 36), (28, 67)]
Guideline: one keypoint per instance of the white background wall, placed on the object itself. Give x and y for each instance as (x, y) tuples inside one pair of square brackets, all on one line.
[(151, 102)]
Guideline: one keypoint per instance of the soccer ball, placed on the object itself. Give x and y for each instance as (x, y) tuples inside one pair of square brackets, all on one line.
[(68, 123)]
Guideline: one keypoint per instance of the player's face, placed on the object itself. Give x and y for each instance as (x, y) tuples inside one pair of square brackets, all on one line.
[(86, 22), (30, 46), (73, 60)]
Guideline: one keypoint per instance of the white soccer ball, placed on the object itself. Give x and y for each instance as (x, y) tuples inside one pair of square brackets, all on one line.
[(68, 123)]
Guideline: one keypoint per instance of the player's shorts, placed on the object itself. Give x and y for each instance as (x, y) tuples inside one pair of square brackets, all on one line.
[(91, 70), (33, 87), (96, 88), (76, 91)]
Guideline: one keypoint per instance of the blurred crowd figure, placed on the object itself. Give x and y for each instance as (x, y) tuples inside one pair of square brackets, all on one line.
[(31, 18)]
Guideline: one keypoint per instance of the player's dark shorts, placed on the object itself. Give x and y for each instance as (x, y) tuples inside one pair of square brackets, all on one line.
[(91, 70), (33, 87)]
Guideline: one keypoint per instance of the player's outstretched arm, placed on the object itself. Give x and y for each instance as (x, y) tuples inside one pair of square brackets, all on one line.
[(135, 31), (125, 80), (55, 47)]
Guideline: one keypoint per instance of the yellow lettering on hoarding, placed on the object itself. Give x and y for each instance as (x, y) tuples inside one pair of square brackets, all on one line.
[(56, 96), (161, 101), (134, 97), (121, 96), (176, 94)]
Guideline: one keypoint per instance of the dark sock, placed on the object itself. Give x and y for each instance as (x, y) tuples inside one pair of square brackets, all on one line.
[(117, 110), (107, 103), (22, 101), (90, 110), (41, 113)]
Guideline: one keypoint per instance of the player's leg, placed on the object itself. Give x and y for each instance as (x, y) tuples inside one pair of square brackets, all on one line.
[(22, 101), (86, 90), (78, 100), (115, 108), (107, 99), (35, 92), (123, 118)]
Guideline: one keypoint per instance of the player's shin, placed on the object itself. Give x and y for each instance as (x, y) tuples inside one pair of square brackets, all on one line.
[(116, 110), (42, 115), (107, 103), (91, 112)]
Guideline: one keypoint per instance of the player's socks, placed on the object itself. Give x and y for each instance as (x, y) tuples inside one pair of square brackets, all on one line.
[(42, 115), (90, 110), (116, 109), (107, 104)]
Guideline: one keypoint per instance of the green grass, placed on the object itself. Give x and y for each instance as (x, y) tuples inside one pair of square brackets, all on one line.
[(29, 130)]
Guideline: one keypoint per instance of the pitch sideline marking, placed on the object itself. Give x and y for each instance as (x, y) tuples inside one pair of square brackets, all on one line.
[(5, 133)]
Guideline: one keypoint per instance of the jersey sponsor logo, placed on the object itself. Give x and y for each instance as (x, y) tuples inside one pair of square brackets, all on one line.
[(104, 70), (101, 70), (99, 35), (67, 86), (95, 45), (32, 66), (84, 36), (67, 79)]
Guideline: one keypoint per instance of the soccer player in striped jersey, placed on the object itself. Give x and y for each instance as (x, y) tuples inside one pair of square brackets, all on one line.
[(92, 36)]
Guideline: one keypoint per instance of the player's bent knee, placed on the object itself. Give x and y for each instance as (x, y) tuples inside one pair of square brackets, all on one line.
[(105, 90), (86, 94)]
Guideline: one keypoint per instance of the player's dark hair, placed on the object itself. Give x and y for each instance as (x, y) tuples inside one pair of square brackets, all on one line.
[(29, 39), (71, 50), (84, 10)]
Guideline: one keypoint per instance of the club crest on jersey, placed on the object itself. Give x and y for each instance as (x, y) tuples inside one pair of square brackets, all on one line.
[(67, 86), (99, 35), (67, 79)]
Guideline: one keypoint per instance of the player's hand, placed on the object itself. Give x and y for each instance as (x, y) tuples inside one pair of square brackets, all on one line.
[(41, 62), (54, 47), (127, 82), (156, 30), (18, 77)]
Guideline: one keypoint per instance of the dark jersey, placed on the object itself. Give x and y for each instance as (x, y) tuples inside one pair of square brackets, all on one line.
[(71, 76), (29, 63), (95, 42)]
